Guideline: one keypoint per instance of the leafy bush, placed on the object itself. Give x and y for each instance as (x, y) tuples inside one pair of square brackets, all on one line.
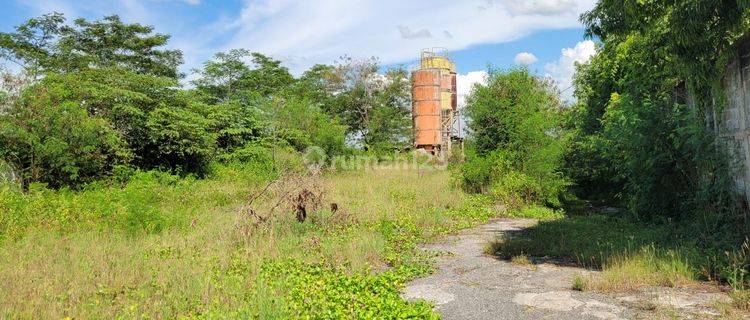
[(640, 142), (301, 124), (516, 148), (179, 140), (161, 127), (60, 145), (250, 153), (235, 124), (476, 174), (517, 188)]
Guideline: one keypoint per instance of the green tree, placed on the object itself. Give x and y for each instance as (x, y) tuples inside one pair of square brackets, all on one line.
[(48, 44), (60, 145), (139, 107), (236, 124), (388, 125), (229, 76), (516, 138), (514, 111), (301, 123), (179, 139), (219, 77), (267, 77), (375, 107), (633, 125)]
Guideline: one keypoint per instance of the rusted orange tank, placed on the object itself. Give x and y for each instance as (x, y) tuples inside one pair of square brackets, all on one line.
[(434, 101), (454, 100), (426, 107)]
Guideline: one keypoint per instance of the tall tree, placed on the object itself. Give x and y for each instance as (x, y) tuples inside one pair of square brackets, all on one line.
[(219, 78), (48, 44), (240, 72), (374, 106)]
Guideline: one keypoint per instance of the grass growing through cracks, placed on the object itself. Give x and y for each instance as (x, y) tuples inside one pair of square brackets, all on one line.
[(162, 247), (633, 255)]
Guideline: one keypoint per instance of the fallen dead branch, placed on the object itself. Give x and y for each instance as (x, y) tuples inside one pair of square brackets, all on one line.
[(297, 194)]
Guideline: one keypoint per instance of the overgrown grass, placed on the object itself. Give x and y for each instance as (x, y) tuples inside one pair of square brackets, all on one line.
[(536, 212), (149, 202), (634, 255), (80, 255)]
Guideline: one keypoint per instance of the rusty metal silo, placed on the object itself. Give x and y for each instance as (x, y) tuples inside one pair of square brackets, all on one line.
[(426, 108), (434, 102)]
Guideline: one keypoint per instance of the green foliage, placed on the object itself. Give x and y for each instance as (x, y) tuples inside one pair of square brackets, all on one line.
[(515, 111), (250, 153), (59, 145), (640, 137), (235, 124), (301, 124), (220, 77), (229, 77), (178, 139), (388, 125), (321, 292), (518, 188), (516, 146), (477, 173), (589, 163), (47, 44), (268, 77), (633, 126), (374, 107), (163, 127)]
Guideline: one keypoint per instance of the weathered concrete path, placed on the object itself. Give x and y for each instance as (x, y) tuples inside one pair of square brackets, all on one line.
[(472, 285)]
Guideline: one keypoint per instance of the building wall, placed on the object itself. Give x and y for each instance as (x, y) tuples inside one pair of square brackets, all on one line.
[(733, 122)]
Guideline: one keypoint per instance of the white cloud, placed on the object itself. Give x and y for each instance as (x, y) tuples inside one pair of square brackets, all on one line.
[(326, 29), (321, 31), (541, 7), (563, 69), (465, 83), (525, 58), (407, 33)]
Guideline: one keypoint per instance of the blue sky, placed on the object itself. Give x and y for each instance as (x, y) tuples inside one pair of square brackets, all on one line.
[(544, 34)]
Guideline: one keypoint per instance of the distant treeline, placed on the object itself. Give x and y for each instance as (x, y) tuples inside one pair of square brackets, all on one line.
[(97, 99)]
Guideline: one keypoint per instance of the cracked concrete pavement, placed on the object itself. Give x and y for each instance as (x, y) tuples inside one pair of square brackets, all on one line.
[(472, 285)]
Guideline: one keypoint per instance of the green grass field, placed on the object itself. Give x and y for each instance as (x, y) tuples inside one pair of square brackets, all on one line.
[(166, 247), (162, 247)]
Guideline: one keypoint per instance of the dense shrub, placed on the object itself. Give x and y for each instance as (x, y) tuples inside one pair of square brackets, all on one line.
[(641, 143), (235, 124), (516, 140), (477, 173), (141, 115), (178, 140), (59, 145), (250, 153), (301, 124)]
